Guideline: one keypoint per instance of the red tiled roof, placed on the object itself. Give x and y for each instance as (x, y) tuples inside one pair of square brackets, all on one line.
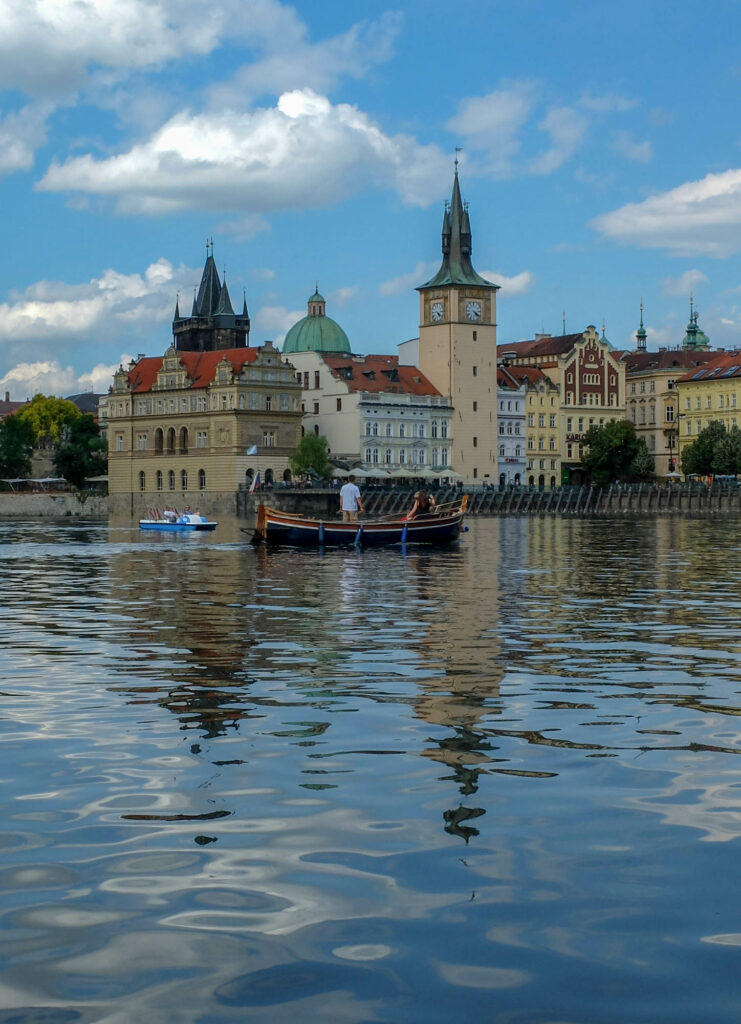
[(666, 359), (8, 408), (379, 373), (527, 374), (200, 367), (722, 367), (541, 346)]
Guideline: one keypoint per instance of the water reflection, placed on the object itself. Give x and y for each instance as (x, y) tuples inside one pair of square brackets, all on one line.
[(370, 785)]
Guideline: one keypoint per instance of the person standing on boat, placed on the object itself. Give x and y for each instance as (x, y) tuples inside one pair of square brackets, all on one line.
[(423, 505), (350, 501)]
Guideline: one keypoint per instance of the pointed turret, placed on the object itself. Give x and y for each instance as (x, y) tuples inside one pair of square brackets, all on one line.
[(456, 267), (212, 325), (244, 304), (641, 334), (177, 308)]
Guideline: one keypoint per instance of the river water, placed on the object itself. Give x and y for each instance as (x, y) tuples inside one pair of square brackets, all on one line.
[(497, 783)]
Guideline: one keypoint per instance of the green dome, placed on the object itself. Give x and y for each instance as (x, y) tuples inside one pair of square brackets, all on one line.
[(317, 332)]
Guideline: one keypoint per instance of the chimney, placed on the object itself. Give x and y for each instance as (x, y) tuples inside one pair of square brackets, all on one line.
[(7, 396)]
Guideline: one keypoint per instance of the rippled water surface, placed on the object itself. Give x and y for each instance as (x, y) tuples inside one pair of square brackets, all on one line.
[(495, 783)]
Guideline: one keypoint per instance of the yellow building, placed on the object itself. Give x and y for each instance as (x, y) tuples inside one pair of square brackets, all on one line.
[(589, 382), (195, 425), (712, 392), (542, 434), (457, 346)]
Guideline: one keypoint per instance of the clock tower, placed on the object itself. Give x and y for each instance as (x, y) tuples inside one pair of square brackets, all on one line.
[(458, 346)]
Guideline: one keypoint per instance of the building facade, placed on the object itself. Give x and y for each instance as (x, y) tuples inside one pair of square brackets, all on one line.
[(588, 389), (375, 411), (193, 428), (457, 346), (711, 392), (511, 398)]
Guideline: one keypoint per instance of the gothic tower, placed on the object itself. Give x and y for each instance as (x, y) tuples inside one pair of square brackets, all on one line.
[(458, 345), (212, 325)]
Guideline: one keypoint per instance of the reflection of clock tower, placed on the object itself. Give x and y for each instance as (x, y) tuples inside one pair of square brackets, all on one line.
[(458, 345)]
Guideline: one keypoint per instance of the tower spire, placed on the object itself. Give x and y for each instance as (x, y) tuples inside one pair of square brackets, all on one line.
[(641, 334)]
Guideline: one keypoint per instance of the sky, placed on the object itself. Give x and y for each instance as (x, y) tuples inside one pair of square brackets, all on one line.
[(600, 153)]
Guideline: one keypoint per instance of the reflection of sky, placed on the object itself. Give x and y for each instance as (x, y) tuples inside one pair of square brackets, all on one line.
[(214, 794)]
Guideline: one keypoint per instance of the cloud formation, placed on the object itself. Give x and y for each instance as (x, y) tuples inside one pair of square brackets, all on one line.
[(518, 284), (303, 152), (683, 285), (49, 377), (699, 217)]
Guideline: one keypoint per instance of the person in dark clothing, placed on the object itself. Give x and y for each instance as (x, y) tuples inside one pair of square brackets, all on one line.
[(423, 505)]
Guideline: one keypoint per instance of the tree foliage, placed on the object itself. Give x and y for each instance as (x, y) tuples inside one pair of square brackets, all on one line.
[(16, 444), (642, 466), (81, 452), (611, 451), (311, 454), (47, 416), (715, 450)]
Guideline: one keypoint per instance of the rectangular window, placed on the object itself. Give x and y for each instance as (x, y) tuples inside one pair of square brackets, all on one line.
[(670, 414), (119, 442), (475, 406), (268, 439), (202, 439), (553, 419), (316, 408), (541, 420), (141, 442), (530, 419), (475, 442), (475, 371), (339, 405), (316, 378)]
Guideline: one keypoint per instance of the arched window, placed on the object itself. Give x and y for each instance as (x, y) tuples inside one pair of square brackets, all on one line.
[(435, 456), (388, 430), (184, 479), (387, 456), (501, 450), (402, 456), (142, 480), (159, 479), (433, 429), (241, 401), (268, 476), (183, 440), (171, 441), (159, 441), (374, 431), (444, 428), (367, 430), (201, 479), (374, 455), (402, 430), (171, 479)]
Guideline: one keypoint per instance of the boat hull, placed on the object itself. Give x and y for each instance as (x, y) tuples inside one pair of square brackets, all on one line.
[(275, 528), (160, 527)]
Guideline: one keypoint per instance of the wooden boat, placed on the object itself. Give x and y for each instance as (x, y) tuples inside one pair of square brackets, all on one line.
[(441, 526), (184, 522)]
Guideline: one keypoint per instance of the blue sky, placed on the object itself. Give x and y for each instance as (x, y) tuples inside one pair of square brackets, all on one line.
[(600, 154)]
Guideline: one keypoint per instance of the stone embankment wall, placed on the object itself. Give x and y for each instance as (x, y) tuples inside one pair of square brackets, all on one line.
[(30, 506)]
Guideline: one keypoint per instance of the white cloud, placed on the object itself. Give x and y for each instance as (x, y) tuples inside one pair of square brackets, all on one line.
[(696, 217), (273, 323), (682, 285), (51, 309), (567, 129), (407, 282), (493, 123), (243, 228), (302, 152), (341, 296), (518, 284), (625, 144), (21, 134), (295, 63), (607, 102), (263, 274), (49, 377)]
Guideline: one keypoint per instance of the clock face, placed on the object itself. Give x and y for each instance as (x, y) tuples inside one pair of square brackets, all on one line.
[(436, 311), (473, 310)]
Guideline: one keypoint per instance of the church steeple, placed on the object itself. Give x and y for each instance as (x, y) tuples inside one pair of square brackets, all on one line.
[(456, 267)]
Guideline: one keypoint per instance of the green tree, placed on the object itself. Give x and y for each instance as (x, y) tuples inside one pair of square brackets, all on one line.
[(699, 457), (47, 417), (642, 467), (610, 451), (311, 454), (16, 444), (727, 453), (81, 451)]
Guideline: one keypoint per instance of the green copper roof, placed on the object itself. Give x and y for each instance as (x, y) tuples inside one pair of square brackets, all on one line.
[(456, 267), (316, 297), (316, 334)]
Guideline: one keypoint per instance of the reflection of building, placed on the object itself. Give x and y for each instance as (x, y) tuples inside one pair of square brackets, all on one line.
[(457, 345), (374, 409), (192, 426), (590, 380), (652, 395)]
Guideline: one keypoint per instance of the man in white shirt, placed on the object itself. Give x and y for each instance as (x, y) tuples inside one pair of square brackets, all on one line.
[(350, 502)]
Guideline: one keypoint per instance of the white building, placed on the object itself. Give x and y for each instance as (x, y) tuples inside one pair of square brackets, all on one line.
[(374, 410), (511, 422)]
